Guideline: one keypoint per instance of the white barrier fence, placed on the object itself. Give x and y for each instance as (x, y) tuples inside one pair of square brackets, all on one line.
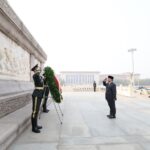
[(121, 90), (126, 91), (131, 92), (80, 88)]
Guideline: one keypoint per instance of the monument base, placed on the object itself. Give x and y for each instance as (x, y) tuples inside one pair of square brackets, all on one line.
[(14, 95)]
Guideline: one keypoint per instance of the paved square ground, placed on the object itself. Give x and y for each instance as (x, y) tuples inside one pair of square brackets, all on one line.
[(86, 127)]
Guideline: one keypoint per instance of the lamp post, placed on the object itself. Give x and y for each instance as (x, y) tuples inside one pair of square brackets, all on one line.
[(132, 58)]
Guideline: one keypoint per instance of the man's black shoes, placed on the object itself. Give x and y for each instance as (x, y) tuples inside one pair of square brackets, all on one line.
[(111, 116), (108, 116)]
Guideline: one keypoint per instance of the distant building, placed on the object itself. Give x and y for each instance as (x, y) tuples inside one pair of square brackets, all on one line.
[(79, 77), (88, 77)]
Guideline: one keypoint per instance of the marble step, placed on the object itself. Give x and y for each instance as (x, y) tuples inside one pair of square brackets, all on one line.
[(12, 125)]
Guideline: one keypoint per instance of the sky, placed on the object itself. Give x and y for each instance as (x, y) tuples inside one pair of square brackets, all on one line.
[(90, 35)]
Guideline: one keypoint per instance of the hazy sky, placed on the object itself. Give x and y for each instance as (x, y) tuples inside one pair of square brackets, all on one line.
[(90, 34)]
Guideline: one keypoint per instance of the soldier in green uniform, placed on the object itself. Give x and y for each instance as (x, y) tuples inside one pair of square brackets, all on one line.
[(36, 97), (45, 96)]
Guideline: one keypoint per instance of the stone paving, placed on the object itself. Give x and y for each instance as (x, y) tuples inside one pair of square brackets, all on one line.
[(86, 127)]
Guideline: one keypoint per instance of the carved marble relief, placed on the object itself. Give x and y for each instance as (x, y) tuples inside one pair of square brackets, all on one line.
[(14, 60)]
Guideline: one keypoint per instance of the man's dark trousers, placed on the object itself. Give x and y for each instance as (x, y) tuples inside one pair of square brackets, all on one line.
[(112, 106)]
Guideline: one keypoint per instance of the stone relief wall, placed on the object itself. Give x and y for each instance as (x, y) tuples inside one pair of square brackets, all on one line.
[(19, 51), (14, 60)]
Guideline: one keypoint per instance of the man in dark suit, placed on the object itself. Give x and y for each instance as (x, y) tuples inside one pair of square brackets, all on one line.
[(110, 96)]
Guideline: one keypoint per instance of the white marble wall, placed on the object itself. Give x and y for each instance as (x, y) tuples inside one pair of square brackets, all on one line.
[(14, 60)]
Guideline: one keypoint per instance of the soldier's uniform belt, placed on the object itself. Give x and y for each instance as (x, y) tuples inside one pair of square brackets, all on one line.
[(39, 88)]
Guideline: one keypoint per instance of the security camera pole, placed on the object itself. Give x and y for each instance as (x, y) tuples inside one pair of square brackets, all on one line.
[(132, 58)]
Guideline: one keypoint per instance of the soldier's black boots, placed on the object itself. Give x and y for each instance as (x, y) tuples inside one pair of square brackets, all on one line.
[(39, 127), (45, 110), (35, 127), (35, 130)]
